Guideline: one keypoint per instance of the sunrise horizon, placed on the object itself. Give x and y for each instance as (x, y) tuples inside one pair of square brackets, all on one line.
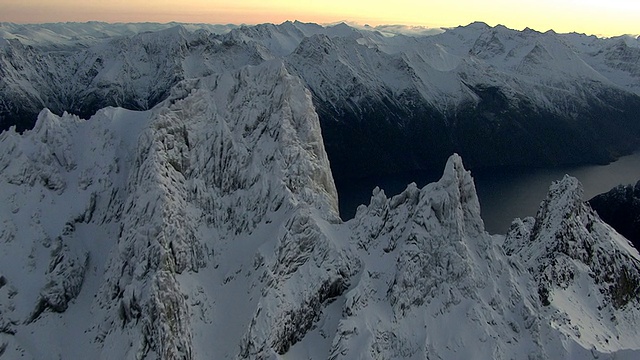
[(588, 17)]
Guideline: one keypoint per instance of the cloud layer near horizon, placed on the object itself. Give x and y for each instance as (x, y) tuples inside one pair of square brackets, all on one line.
[(607, 18)]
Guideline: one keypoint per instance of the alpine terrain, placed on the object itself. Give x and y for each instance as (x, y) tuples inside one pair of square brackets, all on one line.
[(202, 222)]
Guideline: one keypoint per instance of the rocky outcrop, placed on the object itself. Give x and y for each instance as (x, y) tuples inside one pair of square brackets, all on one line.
[(567, 230)]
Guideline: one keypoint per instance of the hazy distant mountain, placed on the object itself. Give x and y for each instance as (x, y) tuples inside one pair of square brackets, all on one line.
[(205, 224), (61, 36)]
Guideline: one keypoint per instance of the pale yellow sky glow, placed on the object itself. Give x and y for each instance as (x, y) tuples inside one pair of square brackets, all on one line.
[(608, 18)]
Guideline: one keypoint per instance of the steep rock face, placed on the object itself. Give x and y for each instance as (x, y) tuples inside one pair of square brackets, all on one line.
[(215, 153), (579, 262), (620, 208), (288, 309), (427, 264), (24, 70), (63, 187)]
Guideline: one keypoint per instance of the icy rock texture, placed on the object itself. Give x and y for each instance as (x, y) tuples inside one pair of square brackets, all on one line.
[(50, 155), (288, 310), (209, 227), (209, 160), (446, 211), (428, 264), (65, 277), (62, 187)]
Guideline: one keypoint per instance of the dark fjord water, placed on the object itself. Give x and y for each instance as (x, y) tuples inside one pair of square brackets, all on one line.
[(504, 193)]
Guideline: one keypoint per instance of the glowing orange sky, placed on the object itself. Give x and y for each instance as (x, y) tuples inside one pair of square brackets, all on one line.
[(613, 17)]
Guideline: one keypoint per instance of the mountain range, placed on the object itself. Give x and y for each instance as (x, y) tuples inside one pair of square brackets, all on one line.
[(497, 96), (203, 222)]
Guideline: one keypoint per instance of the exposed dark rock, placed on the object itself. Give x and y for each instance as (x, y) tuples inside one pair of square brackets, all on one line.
[(620, 208)]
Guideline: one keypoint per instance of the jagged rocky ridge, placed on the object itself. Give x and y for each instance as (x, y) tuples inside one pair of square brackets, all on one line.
[(620, 208), (169, 192), (496, 96), (571, 252), (207, 227)]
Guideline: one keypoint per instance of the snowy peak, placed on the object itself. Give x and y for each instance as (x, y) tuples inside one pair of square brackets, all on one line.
[(432, 231), (530, 53), (46, 154), (578, 261), (451, 202), (537, 294), (230, 167), (171, 192), (624, 55), (278, 39), (564, 201), (427, 263), (487, 45), (283, 39), (460, 181)]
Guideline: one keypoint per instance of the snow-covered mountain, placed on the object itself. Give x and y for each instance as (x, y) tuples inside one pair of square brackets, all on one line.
[(147, 218), (208, 227), (495, 95)]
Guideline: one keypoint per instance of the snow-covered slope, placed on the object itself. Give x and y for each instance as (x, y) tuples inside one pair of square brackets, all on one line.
[(434, 284), (207, 227)]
